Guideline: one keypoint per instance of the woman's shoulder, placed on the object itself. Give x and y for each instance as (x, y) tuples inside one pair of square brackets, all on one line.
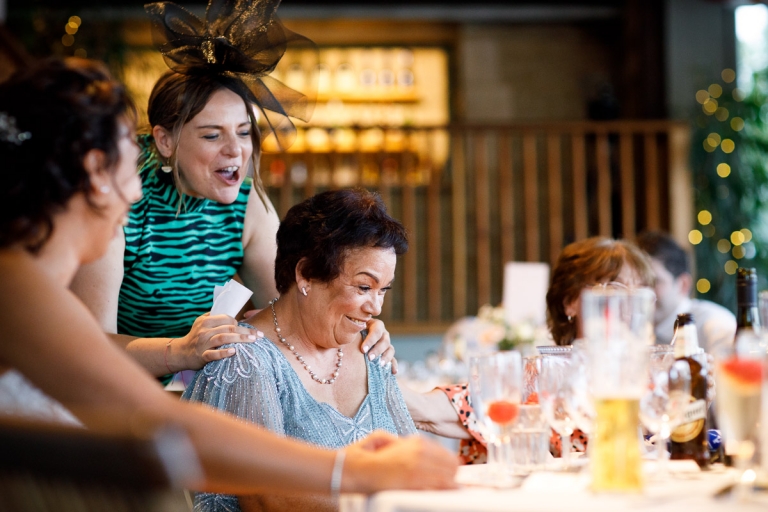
[(250, 359), (380, 374)]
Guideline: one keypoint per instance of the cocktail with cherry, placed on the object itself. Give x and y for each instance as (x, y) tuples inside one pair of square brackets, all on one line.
[(495, 385), (739, 379)]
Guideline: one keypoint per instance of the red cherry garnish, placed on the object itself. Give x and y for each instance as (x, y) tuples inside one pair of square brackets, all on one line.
[(503, 412)]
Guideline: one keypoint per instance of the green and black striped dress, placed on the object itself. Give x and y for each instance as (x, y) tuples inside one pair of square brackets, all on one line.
[(172, 262)]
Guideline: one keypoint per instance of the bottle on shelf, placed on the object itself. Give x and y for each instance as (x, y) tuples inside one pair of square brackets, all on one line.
[(689, 439)]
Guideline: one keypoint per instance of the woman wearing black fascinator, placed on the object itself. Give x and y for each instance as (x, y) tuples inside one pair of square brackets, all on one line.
[(204, 215), (67, 128)]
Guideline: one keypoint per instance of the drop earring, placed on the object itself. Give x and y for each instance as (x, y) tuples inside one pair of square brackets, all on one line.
[(304, 291), (104, 189), (166, 167)]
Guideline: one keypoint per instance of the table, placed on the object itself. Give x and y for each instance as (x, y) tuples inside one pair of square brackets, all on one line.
[(686, 488)]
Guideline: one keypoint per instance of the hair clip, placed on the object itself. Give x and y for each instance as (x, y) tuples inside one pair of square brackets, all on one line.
[(9, 132)]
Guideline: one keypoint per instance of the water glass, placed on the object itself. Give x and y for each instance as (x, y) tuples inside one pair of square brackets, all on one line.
[(663, 405), (553, 396), (530, 435), (529, 440), (579, 400)]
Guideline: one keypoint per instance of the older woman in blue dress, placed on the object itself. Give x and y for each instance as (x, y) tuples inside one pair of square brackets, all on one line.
[(67, 141), (201, 220), (306, 378)]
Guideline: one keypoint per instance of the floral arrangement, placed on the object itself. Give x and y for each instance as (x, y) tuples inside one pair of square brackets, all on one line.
[(489, 331)]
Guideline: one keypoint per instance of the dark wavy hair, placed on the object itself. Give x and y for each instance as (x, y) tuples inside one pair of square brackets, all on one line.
[(322, 229), (586, 263), (68, 107)]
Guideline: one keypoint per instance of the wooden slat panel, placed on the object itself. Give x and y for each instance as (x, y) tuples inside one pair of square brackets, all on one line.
[(680, 184), (602, 150), (411, 281), (531, 201), (385, 191), (652, 202), (482, 218), (459, 221), (579, 170), (627, 169), (555, 186), (506, 199), (405, 311), (434, 257)]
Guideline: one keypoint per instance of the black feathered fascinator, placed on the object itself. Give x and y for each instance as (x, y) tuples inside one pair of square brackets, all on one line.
[(238, 38)]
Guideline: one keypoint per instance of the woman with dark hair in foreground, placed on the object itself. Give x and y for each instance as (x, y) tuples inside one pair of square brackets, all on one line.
[(69, 159)]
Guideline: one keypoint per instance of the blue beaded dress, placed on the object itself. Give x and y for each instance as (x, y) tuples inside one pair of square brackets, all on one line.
[(259, 385)]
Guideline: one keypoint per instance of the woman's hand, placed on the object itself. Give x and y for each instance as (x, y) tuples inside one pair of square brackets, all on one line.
[(201, 344), (377, 343), (382, 461)]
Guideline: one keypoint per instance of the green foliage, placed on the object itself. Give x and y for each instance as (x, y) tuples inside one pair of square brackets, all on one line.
[(738, 200)]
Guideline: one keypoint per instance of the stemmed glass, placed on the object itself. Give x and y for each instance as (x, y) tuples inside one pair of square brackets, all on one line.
[(495, 385), (579, 402), (553, 395), (739, 375), (662, 407)]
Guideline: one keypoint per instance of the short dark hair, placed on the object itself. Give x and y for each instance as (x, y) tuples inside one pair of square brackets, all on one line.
[(69, 108), (663, 247), (322, 229)]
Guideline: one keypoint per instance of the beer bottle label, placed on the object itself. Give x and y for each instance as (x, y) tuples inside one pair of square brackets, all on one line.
[(692, 424)]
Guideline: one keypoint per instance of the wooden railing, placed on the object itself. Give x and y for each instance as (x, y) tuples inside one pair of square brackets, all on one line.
[(475, 197)]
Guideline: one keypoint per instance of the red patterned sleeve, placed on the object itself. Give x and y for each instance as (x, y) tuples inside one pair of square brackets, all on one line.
[(471, 451)]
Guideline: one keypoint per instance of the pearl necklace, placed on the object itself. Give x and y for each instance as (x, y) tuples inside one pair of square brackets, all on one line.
[(301, 359)]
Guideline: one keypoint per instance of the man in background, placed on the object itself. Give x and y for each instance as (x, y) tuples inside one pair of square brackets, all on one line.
[(715, 325)]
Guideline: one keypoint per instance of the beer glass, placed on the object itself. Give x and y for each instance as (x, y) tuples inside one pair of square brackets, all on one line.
[(618, 327)]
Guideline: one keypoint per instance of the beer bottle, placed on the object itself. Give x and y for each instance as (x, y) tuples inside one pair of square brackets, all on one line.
[(689, 439)]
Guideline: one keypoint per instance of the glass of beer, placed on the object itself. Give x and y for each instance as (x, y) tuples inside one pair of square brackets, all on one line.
[(618, 328)]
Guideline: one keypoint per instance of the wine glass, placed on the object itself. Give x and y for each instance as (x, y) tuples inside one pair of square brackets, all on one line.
[(739, 375), (663, 405), (579, 403), (495, 385), (553, 392)]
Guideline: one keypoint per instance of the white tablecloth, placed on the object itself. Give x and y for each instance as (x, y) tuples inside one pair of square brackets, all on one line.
[(686, 488)]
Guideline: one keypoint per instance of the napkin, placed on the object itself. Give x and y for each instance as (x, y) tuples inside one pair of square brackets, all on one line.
[(230, 298)]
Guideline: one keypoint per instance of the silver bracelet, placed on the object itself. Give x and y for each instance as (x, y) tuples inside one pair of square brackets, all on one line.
[(338, 468)]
